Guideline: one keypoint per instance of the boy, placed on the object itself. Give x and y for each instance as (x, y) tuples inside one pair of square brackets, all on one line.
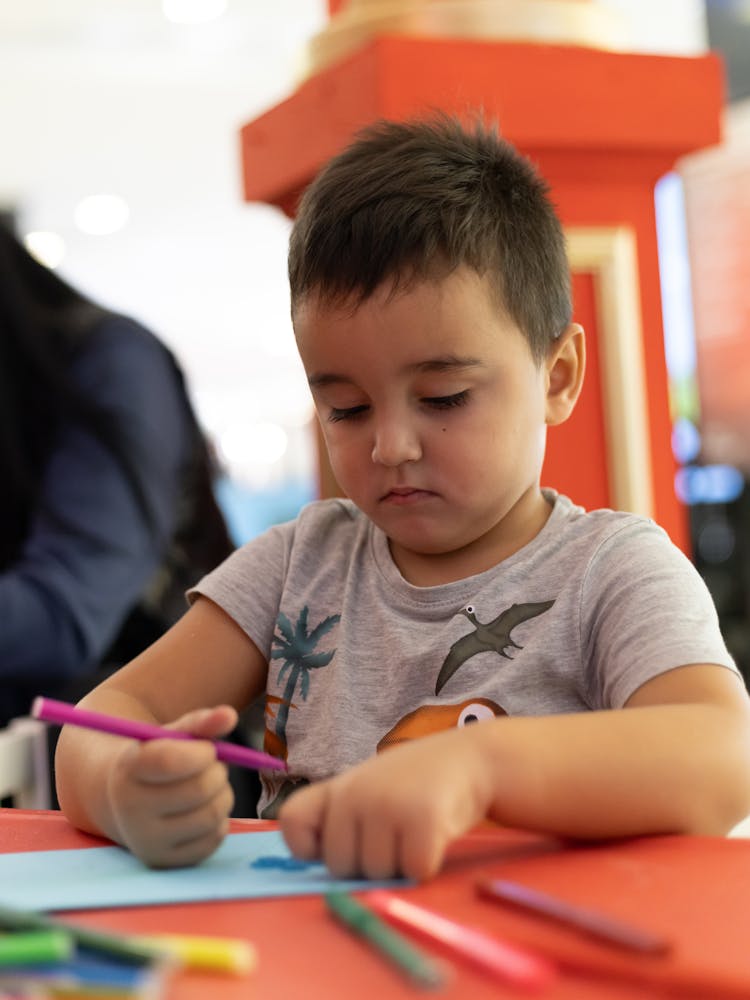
[(431, 306)]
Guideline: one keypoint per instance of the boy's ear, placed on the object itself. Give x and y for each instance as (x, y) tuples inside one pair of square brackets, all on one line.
[(565, 367)]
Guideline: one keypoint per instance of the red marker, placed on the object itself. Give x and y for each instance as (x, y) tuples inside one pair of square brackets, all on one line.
[(501, 959)]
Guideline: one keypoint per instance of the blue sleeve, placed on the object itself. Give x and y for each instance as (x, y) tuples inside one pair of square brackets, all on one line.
[(91, 551)]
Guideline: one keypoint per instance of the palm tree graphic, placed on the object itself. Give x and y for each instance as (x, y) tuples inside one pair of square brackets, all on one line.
[(296, 647)]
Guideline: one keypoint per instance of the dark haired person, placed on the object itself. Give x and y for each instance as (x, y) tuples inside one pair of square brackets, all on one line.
[(106, 506), (453, 642)]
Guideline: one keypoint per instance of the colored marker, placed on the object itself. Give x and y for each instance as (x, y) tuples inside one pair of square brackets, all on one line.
[(35, 947), (81, 976), (583, 919), (63, 714), (423, 971), (501, 959), (210, 954), (111, 945)]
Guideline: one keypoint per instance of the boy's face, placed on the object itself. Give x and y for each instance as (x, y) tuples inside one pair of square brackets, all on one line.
[(434, 414)]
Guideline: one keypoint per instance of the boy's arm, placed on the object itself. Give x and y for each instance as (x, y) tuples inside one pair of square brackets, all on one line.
[(676, 759), (166, 800)]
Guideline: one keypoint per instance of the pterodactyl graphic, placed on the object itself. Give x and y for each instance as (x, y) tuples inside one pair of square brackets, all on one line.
[(493, 636)]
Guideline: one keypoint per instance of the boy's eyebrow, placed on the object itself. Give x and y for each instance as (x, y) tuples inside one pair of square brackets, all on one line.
[(318, 381), (449, 363)]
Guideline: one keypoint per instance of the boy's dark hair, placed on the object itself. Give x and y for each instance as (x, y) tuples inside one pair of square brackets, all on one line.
[(413, 200)]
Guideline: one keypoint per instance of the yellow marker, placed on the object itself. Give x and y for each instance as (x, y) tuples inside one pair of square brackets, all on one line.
[(209, 954)]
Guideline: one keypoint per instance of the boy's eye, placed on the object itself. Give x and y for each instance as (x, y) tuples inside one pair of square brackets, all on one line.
[(346, 413), (339, 413), (446, 402)]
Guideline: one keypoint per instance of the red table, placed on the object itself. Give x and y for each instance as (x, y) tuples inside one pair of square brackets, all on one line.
[(694, 889)]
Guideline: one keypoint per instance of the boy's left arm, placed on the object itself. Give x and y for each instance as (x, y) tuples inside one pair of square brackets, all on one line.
[(708, 706), (676, 759)]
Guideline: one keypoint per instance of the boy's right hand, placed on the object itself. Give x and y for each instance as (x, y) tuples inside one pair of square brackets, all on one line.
[(171, 799)]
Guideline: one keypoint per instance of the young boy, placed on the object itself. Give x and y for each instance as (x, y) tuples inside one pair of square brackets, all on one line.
[(431, 306)]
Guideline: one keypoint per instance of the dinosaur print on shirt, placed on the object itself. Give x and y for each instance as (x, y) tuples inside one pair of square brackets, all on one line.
[(487, 637)]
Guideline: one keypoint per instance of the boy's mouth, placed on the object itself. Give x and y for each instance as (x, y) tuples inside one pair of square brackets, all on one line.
[(406, 494)]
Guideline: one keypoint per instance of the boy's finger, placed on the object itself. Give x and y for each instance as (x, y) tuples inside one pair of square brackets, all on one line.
[(421, 853), (186, 797), (210, 814), (301, 820), (161, 762), (208, 723), (190, 852), (342, 837), (379, 851)]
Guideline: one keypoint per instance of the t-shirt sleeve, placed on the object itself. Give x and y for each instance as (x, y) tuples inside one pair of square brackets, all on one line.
[(249, 583), (645, 610)]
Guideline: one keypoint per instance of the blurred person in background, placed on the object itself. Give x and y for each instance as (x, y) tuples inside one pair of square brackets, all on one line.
[(107, 512)]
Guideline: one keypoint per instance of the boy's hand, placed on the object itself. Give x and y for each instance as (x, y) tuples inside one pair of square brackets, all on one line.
[(395, 814), (171, 799)]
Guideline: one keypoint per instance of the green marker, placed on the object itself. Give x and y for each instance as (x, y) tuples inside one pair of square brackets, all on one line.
[(118, 945), (35, 948), (357, 918)]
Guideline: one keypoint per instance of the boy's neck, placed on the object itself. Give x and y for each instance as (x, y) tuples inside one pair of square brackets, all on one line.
[(519, 527)]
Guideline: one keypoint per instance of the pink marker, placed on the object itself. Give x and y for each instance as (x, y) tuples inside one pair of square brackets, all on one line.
[(507, 961), (63, 714)]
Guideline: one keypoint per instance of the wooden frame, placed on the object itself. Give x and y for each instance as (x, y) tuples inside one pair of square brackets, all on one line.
[(609, 255)]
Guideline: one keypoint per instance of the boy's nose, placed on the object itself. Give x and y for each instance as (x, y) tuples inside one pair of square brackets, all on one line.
[(395, 443)]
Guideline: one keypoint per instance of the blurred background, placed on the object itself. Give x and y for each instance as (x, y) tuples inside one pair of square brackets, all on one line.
[(120, 161), (120, 166)]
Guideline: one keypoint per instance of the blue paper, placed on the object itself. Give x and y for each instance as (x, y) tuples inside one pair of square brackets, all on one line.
[(95, 877)]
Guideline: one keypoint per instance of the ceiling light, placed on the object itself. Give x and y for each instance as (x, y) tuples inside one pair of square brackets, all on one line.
[(101, 214), (193, 11), (47, 247), (262, 443)]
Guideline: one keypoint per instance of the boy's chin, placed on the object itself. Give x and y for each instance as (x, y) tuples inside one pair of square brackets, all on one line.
[(422, 546)]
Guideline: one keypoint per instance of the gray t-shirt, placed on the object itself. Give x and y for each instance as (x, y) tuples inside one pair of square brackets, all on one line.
[(595, 605)]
